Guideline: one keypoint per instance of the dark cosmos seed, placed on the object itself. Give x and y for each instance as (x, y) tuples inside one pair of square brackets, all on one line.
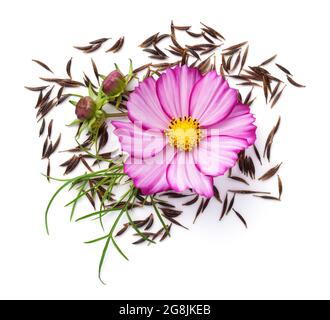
[(199, 210), (47, 108), (203, 46), (267, 198), (256, 151), (248, 97), (157, 57), (265, 87), (96, 72), (175, 195), (210, 33), (88, 82), (42, 128), (228, 65), (50, 128), (185, 58), (271, 136), (224, 207), (44, 149), (277, 97), (204, 65), (48, 170), (280, 187), (236, 46), (142, 68), (294, 83), (71, 164), (46, 96), (194, 53), (270, 173), (167, 233), (209, 50), (84, 48), (49, 150), (252, 169), (176, 43), (191, 202), (159, 51), (182, 28), (93, 48), (194, 35), (285, 70), (63, 98), (247, 192), (241, 218), (268, 61), (40, 97), (102, 40), (165, 204), (151, 51), (275, 91), (176, 53), (91, 200), (231, 53), (139, 223), (160, 38), (68, 68), (123, 230), (55, 146), (117, 46), (175, 222), (217, 194), (250, 103), (246, 52), (36, 88), (239, 180), (207, 38), (213, 31), (85, 163), (157, 234), (59, 93), (42, 65), (150, 222), (171, 213), (145, 234), (64, 82), (249, 83), (148, 42), (206, 203), (231, 204), (237, 61)]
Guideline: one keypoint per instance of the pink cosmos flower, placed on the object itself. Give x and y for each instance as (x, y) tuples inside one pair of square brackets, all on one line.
[(184, 130)]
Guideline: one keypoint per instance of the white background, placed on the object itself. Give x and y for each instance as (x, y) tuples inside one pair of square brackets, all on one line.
[(285, 251)]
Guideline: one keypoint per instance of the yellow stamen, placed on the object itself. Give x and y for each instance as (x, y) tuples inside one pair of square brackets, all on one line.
[(184, 133)]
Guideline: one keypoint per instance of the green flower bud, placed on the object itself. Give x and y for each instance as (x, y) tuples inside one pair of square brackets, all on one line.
[(85, 108), (114, 84)]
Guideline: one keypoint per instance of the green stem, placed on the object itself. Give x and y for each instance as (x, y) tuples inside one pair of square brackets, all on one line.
[(116, 115)]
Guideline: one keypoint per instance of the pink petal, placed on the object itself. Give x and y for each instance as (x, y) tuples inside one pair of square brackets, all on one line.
[(183, 174), (239, 124), (149, 175), (174, 88), (212, 100), (143, 106), (138, 142), (216, 154)]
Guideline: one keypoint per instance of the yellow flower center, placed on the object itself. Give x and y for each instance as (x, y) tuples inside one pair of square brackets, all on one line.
[(184, 133)]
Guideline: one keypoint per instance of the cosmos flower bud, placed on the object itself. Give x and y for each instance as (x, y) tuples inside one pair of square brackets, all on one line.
[(114, 83), (85, 108)]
